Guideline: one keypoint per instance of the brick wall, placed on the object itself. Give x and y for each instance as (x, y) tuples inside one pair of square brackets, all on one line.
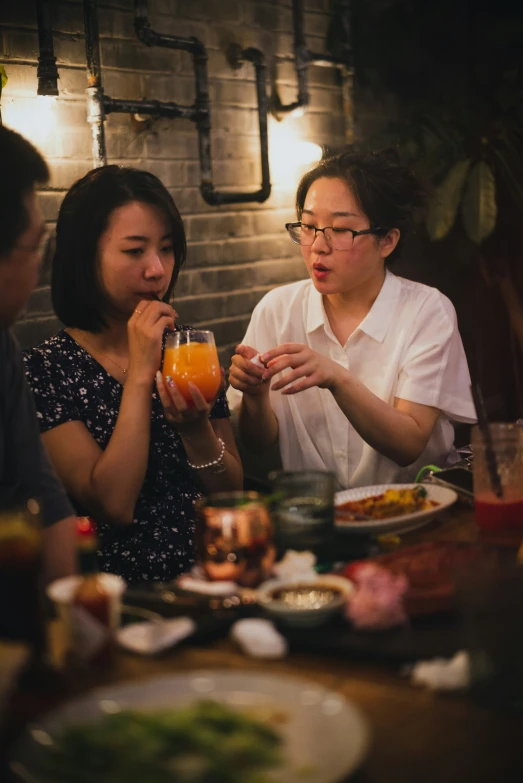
[(236, 253)]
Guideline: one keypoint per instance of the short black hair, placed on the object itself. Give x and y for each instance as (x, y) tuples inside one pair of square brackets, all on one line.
[(21, 168), (77, 295), (387, 192)]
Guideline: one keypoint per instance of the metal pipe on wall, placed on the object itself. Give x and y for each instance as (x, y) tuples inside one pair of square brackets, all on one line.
[(47, 72), (304, 58), (99, 104), (95, 92), (202, 112), (256, 57)]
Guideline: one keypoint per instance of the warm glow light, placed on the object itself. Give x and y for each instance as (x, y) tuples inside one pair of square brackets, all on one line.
[(299, 111), (34, 118), (289, 154)]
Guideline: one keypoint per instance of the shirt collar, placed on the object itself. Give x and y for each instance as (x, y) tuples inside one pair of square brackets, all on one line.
[(378, 319), (316, 315)]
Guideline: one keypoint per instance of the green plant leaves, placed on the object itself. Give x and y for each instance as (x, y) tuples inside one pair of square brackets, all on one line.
[(3, 76), (445, 201), (479, 207)]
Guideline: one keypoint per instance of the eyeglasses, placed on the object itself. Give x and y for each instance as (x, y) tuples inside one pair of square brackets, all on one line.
[(336, 238)]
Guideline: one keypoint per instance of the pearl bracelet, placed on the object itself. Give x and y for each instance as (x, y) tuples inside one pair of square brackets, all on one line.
[(218, 463)]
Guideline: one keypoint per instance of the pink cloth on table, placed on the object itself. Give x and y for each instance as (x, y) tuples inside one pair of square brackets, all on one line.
[(377, 602)]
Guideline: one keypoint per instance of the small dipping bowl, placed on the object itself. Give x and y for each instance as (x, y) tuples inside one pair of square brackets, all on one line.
[(304, 603)]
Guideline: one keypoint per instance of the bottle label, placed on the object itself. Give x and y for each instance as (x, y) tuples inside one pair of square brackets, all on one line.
[(88, 635)]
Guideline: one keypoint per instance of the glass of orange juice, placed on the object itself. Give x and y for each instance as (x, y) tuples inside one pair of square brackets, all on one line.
[(190, 357)]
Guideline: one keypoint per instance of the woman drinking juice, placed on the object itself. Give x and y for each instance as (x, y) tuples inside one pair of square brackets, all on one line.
[(133, 451)]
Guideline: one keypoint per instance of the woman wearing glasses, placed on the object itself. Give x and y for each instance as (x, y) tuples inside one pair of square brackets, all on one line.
[(354, 370)]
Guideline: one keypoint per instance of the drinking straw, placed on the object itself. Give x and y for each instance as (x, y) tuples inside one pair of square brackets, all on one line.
[(492, 463)]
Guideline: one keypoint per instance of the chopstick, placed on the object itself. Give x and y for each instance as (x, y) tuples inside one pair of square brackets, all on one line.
[(492, 463)]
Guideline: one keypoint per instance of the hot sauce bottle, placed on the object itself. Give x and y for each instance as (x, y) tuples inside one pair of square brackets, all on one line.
[(91, 602)]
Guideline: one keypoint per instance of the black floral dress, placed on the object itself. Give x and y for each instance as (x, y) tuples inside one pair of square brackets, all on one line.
[(69, 385)]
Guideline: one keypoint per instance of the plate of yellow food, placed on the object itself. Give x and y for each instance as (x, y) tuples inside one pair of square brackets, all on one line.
[(198, 727), (386, 508)]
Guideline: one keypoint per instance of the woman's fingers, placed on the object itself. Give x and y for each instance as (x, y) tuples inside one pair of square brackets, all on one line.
[(290, 377), (280, 350), (247, 366), (200, 403), (162, 391), (171, 397), (176, 397), (167, 398), (246, 351), (148, 312), (285, 362), (140, 309), (305, 383), (175, 405), (239, 376)]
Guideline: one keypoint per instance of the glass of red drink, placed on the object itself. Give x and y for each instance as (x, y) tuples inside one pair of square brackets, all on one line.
[(494, 512)]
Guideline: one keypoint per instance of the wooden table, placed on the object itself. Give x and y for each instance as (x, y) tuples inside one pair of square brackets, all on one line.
[(418, 736)]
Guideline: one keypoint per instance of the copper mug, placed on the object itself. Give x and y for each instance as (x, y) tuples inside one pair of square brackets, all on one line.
[(234, 538)]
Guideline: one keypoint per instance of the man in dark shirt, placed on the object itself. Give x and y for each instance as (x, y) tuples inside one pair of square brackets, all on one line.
[(25, 470)]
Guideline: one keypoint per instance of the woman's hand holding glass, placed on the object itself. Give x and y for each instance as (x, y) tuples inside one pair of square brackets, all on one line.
[(308, 369), (180, 415), (244, 375), (190, 380), (145, 330)]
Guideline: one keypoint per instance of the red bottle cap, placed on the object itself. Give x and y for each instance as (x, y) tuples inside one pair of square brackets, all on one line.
[(85, 526)]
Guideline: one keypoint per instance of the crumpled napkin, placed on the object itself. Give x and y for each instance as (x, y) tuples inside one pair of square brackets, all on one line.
[(193, 585), (149, 638), (257, 361), (443, 674), (196, 582), (259, 638), (296, 565)]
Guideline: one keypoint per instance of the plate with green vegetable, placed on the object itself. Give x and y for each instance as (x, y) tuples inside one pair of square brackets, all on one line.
[(198, 727)]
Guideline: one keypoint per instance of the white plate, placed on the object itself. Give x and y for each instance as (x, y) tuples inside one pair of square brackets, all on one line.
[(443, 496), (324, 733)]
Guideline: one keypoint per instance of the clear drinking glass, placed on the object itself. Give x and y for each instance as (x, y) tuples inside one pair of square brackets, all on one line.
[(234, 540), (191, 357), (505, 512), (303, 508)]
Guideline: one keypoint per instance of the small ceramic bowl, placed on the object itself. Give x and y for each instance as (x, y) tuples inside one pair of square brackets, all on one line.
[(306, 602)]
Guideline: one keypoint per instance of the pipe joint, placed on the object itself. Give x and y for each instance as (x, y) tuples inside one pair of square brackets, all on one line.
[(95, 105), (144, 31), (254, 56)]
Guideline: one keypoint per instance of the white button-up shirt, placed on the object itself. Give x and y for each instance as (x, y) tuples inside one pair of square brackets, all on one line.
[(407, 346)]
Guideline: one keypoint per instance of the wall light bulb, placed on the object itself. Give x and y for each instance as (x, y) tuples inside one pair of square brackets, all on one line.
[(33, 117), (289, 155)]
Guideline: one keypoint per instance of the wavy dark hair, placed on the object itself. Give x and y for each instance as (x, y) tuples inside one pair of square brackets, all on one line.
[(78, 298), (21, 168), (387, 192)]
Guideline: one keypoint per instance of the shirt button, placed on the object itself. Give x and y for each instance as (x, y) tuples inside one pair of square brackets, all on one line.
[(340, 453)]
